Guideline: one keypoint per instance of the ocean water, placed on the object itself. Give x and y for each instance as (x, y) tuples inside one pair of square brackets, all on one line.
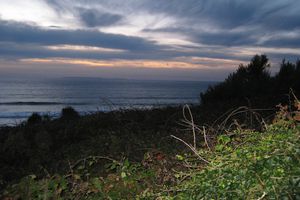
[(19, 98)]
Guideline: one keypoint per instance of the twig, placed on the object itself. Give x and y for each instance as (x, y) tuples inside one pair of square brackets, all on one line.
[(262, 196), (292, 92), (91, 157), (188, 123), (234, 112), (192, 148), (191, 122), (205, 138)]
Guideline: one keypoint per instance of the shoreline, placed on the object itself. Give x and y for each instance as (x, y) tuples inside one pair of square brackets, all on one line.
[(23, 117)]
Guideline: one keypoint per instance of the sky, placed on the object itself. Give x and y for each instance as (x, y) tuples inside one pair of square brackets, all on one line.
[(144, 39)]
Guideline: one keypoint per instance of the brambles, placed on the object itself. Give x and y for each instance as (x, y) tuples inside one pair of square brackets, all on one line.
[(49, 145), (243, 164), (249, 165)]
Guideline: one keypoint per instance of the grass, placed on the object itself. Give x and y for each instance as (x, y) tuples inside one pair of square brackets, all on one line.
[(248, 165), (241, 164)]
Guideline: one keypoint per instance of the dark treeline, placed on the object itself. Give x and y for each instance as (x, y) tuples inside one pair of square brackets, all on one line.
[(253, 84)]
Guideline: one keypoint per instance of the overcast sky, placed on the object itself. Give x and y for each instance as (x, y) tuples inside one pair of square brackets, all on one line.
[(144, 39)]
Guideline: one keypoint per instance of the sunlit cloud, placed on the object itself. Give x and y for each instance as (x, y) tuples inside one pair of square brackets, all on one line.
[(250, 51), (120, 63), (215, 62), (35, 11), (186, 35), (84, 48), (177, 63)]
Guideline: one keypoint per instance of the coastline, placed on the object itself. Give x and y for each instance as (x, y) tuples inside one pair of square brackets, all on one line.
[(15, 119)]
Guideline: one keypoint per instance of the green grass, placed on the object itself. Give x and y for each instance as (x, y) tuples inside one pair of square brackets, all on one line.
[(243, 165), (265, 166)]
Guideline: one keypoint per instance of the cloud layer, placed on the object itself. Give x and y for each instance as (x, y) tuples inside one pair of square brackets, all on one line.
[(195, 33)]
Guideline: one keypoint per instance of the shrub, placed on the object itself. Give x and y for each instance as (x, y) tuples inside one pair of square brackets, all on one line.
[(253, 85), (35, 118), (247, 82), (69, 113)]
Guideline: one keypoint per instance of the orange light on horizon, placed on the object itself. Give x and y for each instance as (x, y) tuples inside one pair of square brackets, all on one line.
[(118, 63), (177, 63)]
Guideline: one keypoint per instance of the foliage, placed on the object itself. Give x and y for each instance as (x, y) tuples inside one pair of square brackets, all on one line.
[(244, 164), (248, 165), (49, 144), (46, 158), (288, 77), (253, 85), (246, 82), (69, 113), (124, 180), (35, 118)]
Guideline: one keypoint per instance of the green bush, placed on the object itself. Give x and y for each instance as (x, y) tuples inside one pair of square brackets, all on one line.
[(265, 166)]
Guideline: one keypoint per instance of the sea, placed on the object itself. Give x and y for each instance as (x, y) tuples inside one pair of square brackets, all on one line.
[(19, 98)]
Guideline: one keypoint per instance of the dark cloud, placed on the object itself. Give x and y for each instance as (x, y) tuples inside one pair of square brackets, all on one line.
[(17, 51), (38, 51), (258, 18), (255, 19), (229, 13), (281, 22), (222, 13), (94, 18), (293, 42), (214, 29), (23, 33), (225, 39)]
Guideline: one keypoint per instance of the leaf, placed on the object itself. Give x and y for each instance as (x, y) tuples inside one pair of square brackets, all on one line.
[(179, 157), (219, 147), (126, 163), (97, 183), (76, 176), (177, 175), (224, 139), (123, 175), (63, 184), (91, 163), (32, 176), (113, 166), (80, 167)]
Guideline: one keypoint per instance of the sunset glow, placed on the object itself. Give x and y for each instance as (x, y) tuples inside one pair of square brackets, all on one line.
[(120, 63), (180, 35)]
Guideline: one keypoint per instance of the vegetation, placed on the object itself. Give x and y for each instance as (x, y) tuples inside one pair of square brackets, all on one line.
[(248, 165), (253, 84), (245, 153), (43, 144), (242, 164)]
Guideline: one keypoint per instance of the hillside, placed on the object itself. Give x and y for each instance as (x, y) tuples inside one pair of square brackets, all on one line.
[(220, 149), (242, 164)]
